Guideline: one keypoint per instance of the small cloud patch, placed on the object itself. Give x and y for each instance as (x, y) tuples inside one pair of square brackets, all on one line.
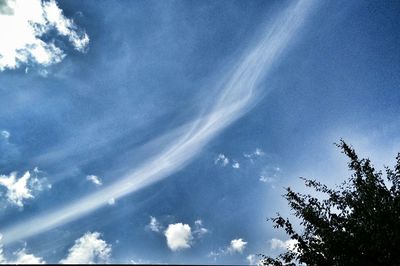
[(19, 190), (94, 179), (179, 236), (222, 160)]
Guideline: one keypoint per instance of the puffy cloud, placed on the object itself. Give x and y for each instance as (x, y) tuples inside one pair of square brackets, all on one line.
[(222, 160), (95, 180), (18, 190), (31, 21), (235, 165), (154, 225), (179, 236), (237, 245), (289, 244), (88, 249), (20, 256)]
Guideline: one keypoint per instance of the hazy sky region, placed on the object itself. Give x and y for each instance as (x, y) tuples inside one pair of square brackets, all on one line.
[(165, 131)]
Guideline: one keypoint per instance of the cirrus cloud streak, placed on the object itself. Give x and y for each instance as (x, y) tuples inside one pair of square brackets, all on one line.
[(239, 91)]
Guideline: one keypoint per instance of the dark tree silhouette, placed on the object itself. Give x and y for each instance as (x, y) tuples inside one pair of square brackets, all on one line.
[(357, 223)]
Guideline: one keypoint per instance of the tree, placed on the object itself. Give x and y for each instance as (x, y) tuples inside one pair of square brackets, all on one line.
[(357, 223)]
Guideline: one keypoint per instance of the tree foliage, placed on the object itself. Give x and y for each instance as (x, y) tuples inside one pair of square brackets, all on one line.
[(357, 223)]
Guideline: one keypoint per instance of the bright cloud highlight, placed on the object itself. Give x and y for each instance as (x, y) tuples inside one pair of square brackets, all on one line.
[(178, 236), (24, 42), (18, 190), (237, 245), (88, 249), (94, 179)]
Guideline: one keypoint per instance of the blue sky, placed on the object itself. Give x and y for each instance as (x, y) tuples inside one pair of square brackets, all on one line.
[(165, 131)]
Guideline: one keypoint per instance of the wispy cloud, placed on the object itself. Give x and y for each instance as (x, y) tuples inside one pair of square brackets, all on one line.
[(154, 225), (235, 246), (253, 155), (238, 94), (252, 259), (269, 174), (23, 43), (9, 151), (199, 229)]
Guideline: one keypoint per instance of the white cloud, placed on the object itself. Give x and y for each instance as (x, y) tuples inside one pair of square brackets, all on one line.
[(22, 43), (9, 151), (199, 230), (289, 244), (257, 153), (20, 257), (178, 236), (18, 190), (95, 180), (253, 260), (154, 225), (5, 134), (88, 249), (237, 245), (222, 160), (266, 179), (269, 174)]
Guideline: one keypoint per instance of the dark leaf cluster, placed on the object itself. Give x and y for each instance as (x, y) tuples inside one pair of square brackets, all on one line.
[(357, 223)]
